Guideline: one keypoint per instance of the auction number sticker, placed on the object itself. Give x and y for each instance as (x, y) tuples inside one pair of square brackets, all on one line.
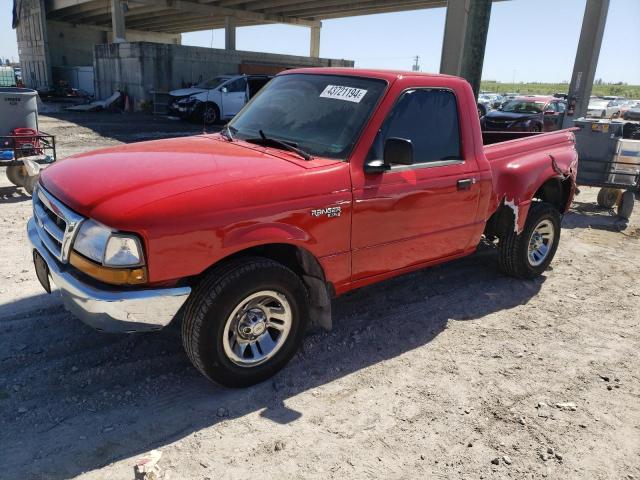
[(350, 94)]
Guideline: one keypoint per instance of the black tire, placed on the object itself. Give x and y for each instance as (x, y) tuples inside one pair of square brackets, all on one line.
[(482, 110), (625, 207), (208, 114), (17, 175), (514, 249), (608, 197), (214, 300), (536, 128)]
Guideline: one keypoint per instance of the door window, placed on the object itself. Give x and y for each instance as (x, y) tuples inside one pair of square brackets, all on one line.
[(239, 85), (427, 117), (561, 107)]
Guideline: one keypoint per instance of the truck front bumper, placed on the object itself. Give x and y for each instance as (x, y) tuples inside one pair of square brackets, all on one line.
[(106, 309)]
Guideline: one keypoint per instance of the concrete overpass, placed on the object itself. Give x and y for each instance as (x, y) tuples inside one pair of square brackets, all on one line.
[(467, 23)]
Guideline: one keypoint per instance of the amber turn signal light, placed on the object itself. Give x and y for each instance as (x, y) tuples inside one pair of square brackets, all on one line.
[(112, 276)]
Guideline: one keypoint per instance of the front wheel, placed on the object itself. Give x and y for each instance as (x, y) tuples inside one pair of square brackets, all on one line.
[(209, 114), (536, 128), (529, 254), (245, 321)]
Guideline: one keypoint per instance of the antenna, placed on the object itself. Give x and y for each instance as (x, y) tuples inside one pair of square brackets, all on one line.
[(416, 65)]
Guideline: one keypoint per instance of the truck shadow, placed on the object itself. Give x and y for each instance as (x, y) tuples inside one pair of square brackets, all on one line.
[(75, 400), (590, 215)]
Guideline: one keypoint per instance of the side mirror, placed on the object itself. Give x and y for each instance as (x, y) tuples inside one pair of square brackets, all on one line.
[(224, 90), (398, 151)]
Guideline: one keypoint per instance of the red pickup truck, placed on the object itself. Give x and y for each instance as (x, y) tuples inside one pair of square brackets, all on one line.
[(328, 180)]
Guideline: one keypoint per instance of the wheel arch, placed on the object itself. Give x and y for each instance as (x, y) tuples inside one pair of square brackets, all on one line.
[(556, 191), (304, 264)]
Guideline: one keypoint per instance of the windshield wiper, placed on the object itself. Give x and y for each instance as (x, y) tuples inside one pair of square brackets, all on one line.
[(279, 143), (226, 133)]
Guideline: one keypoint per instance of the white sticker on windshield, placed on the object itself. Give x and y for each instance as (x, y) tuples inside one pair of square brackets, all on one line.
[(350, 94)]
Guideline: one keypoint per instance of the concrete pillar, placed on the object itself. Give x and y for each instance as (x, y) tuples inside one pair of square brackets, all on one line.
[(455, 28), (475, 41), (314, 43), (117, 21), (584, 67), (230, 33), (465, 39)]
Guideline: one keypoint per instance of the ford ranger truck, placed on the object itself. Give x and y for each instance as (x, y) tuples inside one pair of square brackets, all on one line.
[(326, 181)]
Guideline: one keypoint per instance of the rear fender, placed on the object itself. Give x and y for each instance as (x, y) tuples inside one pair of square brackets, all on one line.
[(520, 181)]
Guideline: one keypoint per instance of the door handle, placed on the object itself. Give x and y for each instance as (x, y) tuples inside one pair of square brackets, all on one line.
[(465, 183)]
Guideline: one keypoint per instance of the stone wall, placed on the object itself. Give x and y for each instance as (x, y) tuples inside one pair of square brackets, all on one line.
[(139, 68)]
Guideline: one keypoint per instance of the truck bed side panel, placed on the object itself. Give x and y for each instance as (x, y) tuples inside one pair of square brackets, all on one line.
[(520, 167)]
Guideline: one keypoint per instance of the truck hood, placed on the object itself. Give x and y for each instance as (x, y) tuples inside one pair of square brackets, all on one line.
[(108, 184)]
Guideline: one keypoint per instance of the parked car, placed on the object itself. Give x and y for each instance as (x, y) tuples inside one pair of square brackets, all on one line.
[(222, 102), (632, 113), (494, 100), (209, 84), (329, 180), (603, 108), (526, 114), (628, 105)]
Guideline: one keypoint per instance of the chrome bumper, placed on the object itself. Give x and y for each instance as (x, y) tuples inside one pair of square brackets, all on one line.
[(115, 311)]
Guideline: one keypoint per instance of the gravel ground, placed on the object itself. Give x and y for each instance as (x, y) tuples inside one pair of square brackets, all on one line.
[(452, 372)]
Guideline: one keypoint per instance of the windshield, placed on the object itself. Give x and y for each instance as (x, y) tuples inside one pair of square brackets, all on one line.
[(212, 82), (321, 114), (523, 106)]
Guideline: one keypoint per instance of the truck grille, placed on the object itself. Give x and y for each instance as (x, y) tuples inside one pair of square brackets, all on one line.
[(56, 224)]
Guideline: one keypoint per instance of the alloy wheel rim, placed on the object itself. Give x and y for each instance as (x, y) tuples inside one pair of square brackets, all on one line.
[(257, 328), (541, 242)]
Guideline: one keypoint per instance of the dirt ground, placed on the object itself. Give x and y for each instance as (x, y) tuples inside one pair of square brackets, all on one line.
[(455, 372)]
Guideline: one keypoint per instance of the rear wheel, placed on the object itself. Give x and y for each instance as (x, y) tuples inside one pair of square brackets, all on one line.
[(536, 128), (608, 197), (625, 207), (245, 321), (529, 254)]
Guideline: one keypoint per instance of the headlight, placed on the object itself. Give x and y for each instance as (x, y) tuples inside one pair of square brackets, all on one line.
[(123, 251), (92, 240), (102, 245)]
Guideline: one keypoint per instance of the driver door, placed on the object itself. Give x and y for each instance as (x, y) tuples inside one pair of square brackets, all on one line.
[(418, 213)]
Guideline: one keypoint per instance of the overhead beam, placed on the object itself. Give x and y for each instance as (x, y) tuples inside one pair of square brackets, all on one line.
[(332, 6), (358, 9), (215, 11), (586, 62)]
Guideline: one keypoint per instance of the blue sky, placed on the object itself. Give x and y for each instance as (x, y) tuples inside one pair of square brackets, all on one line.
[(529, 40)]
